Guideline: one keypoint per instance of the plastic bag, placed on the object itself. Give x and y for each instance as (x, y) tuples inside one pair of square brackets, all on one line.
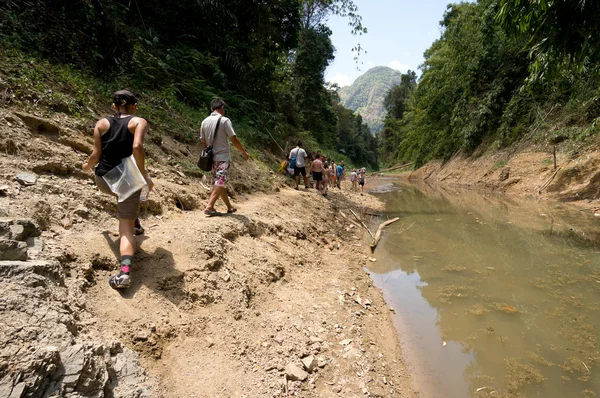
[(125, 179)]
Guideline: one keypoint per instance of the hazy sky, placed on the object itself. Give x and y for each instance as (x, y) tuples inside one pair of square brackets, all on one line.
[(399, 31)]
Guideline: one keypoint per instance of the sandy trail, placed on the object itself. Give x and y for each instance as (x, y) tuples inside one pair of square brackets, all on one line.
[(220, 306)]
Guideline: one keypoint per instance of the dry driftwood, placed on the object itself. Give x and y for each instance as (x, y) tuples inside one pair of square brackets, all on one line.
[(350, 220), (394, 168), (363, 224), (547, 183), (380, 231)]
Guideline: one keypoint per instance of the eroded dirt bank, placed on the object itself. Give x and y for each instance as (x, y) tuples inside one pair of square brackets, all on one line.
[(271, 301), (526, 172)]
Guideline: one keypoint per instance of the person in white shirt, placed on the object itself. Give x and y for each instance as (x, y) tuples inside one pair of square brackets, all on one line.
[(221, 153), (298, 160)]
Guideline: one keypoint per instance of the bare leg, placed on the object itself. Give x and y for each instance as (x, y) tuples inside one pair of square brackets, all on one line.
[(225, 197), (297, 180), (305, 182), (214, 195), (127, 244)]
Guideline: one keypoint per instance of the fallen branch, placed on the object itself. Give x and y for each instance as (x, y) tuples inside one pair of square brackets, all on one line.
[(394, 168), (363, 224), (547, 183), (350, 220), (380, 231)]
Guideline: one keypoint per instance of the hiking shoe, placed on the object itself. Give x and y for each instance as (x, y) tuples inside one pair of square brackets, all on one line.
[(119, 281), (137, 227)]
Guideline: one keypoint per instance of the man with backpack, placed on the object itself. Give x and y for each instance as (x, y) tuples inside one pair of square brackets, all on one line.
[(297, 161), (209, 133)]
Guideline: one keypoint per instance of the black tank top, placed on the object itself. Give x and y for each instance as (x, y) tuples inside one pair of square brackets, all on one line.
[(117, 143)]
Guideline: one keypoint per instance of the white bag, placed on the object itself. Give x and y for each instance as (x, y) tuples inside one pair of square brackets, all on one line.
[(125, 179)]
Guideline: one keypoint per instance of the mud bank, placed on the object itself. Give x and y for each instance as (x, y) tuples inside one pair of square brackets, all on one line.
[(271, 301), (527, 172)]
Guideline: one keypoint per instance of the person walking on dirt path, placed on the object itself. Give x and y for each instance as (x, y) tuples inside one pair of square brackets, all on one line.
[(317, 173), (115, 138), (333, 175), (354, 180), (326, 173), (361, 179), (339, 170), (297, 159), (221, 153)]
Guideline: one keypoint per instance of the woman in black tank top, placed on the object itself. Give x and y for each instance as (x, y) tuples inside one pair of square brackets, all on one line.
[(115, 138)]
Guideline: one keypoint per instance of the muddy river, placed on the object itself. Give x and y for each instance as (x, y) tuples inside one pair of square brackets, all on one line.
[(492, 296)]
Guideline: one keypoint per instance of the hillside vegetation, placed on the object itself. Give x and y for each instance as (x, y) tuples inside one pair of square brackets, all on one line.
[(366, 95), (503, 72), (266, 60)]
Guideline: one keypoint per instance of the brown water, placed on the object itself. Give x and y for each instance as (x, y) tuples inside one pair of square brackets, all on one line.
[(493, 297)]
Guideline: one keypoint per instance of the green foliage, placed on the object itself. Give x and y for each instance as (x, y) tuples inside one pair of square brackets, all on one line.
[(477, 87), (266, 59)]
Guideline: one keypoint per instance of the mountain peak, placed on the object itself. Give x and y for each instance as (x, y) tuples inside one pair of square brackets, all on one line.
[(366, 95)]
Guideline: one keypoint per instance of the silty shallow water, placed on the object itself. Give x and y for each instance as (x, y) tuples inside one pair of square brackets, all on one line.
[(493, 297)]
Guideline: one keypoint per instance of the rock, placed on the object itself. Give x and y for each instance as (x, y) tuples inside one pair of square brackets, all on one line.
[(38, 125), (314, 339), (17, 232), (26, 179), (82, 212), (35, 246), (42, 214), (279, 338), (3, 190), (225, 275), (345, 342), (5, 225), (66, 222), (294, 373), (504, 174), (13, 250), (31, 229), (141, 336), (310, 363)]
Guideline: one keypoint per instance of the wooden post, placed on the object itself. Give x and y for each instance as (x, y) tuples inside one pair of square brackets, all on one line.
[(554, 156)]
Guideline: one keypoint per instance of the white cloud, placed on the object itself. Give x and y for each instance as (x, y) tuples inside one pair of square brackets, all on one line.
[(341, 79), (395, 64)]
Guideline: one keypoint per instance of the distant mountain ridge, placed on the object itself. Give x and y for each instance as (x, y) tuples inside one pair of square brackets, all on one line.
[(367, 93)]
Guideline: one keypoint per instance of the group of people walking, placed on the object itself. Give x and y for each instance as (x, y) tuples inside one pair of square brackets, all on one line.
[(119, 137), (325, 172)]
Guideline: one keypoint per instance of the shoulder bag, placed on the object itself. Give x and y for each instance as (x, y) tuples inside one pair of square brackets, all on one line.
[(206, 156)]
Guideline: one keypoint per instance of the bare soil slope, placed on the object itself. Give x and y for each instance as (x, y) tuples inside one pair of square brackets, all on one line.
[(271, 301)]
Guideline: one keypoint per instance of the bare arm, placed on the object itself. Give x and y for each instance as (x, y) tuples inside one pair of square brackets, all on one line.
[(202, 144), (101, 127), (141, 128), (236, 143)]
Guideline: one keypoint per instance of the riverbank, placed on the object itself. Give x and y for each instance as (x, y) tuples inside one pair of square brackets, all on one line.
[(271, 301), (523, 171)]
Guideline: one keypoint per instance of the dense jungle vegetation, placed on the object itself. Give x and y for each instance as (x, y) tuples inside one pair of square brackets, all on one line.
[(266, 58), (503, 71)]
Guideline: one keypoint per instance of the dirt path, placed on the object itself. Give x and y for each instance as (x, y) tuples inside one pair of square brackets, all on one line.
[(223, 306)]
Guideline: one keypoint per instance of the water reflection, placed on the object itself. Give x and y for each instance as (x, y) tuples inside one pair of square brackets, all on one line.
[(512, 287)]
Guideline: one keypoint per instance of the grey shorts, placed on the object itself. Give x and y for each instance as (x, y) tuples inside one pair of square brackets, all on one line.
[(129, 208)]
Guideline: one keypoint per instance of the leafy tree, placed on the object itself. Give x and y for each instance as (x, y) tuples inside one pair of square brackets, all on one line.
[(555, 29)]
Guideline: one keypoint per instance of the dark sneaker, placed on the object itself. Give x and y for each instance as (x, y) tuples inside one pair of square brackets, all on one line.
[(119, 281), (137, 227)]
